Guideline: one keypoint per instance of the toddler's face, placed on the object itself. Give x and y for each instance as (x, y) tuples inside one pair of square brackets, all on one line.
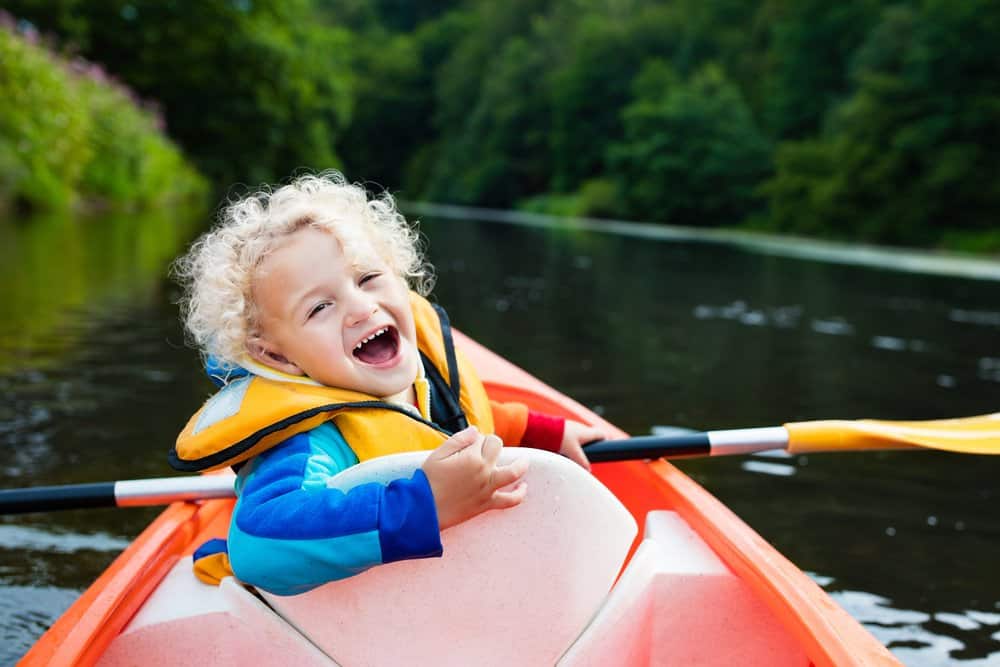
[(343, 325)]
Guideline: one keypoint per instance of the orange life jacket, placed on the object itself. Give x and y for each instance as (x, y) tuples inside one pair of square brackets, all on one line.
[(254, 413)]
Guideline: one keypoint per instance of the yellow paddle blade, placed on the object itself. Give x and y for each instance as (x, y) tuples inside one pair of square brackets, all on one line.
[(967, 435)]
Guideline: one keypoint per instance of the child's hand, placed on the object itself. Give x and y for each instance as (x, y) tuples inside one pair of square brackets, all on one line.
[(465, 479), (575, 435)]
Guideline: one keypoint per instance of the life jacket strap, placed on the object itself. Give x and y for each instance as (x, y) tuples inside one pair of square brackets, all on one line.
[(449, 350), (446, 410), (446, 406)]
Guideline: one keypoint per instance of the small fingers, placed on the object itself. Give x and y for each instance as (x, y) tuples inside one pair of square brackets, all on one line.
[(504, 499), (491, 447), (457, 443), (578, 456), (591, 434), (508, 474)]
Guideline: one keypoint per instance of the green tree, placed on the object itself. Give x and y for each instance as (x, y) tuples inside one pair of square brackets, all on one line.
[(489, 89), (804, 195), (43, 131), (253, 90), (539, 125), (499, 153), (587, 91), (394, 105), (69, 136), (807, 61), (484, 29), (911, 155), (692, 154), (393, 129)]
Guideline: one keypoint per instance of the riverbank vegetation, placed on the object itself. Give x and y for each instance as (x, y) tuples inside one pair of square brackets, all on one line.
[(71, 138), (873, 120)]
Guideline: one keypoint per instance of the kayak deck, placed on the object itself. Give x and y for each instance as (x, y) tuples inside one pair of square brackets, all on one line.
[(723, 596)]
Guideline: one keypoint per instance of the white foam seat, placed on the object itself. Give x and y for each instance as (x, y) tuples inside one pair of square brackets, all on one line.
[(676, 603), (514, 587), (186, 622)]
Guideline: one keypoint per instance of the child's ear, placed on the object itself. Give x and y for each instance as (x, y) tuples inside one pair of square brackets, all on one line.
[(264, 352)]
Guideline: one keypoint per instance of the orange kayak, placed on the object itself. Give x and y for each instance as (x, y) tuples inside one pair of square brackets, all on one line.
[(694, 586)]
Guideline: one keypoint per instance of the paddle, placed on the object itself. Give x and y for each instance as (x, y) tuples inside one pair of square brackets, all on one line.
[(968, 435), (123, 493)]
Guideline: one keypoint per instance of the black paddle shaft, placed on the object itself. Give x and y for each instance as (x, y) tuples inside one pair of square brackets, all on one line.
[(48, 498), (649, 447)]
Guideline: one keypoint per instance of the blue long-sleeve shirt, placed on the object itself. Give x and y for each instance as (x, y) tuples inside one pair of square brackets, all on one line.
[(291, 533)]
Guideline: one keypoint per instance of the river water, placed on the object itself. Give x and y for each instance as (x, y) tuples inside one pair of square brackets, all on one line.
[(648, 332)]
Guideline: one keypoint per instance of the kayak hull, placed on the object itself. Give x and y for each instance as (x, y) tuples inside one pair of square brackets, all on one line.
[(699, 585)]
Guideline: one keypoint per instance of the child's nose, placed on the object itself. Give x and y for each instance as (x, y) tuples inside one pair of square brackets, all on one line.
[(362, 307)]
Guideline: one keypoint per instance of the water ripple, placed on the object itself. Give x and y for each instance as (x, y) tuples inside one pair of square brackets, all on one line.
[(25, 613), (895, 344), (981, 317), (35, 539), (988, 368), (929, 639), (762, 467), (832, 327), (783, 317)]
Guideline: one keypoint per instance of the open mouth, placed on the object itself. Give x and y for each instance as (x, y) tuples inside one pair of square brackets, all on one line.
[(379, 347)]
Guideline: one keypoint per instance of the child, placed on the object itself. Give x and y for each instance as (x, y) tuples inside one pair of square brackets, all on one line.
[(302, 298)]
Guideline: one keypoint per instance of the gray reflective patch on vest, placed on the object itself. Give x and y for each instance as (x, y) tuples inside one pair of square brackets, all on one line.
[(224, 404)]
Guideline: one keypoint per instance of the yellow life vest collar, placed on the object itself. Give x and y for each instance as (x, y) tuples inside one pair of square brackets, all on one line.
[(254, 413), (192, 453)]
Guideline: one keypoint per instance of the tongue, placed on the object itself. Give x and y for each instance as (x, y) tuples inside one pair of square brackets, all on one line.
[(378, 350)]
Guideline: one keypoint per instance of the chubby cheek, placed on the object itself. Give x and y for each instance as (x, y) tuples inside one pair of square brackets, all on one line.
[(408, 331), (404, 320), (327, 353)]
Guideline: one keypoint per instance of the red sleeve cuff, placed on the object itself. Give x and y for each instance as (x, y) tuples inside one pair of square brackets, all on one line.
[(544, 431)]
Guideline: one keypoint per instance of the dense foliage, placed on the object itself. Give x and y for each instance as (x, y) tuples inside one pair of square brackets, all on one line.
[(68, 136), (911, 155), (865, 119), (249, 88)]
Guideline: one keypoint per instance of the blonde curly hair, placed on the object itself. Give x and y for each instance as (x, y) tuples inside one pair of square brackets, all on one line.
[(217, 272)]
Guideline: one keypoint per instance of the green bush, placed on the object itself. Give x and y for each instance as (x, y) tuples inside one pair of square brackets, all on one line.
[(596, 198), (43, 130), (599, 198), (67, 137), (251, 90), (910, 157), (132, 161), (692, 154)]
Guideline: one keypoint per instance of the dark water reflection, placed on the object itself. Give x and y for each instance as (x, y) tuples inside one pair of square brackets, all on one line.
[(647, 333)]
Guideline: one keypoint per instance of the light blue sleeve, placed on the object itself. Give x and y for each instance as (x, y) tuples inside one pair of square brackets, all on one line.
[(291, 533)]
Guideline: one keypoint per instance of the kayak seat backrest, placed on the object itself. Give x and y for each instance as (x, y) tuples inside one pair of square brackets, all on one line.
[(514, 587), (677, 603), (186, 622)]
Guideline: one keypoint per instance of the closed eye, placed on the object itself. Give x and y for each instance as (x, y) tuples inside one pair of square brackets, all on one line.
[(368, 277), (317, 308)]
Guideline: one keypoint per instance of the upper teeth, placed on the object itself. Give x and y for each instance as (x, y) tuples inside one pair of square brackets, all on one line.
[(372, 337)]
